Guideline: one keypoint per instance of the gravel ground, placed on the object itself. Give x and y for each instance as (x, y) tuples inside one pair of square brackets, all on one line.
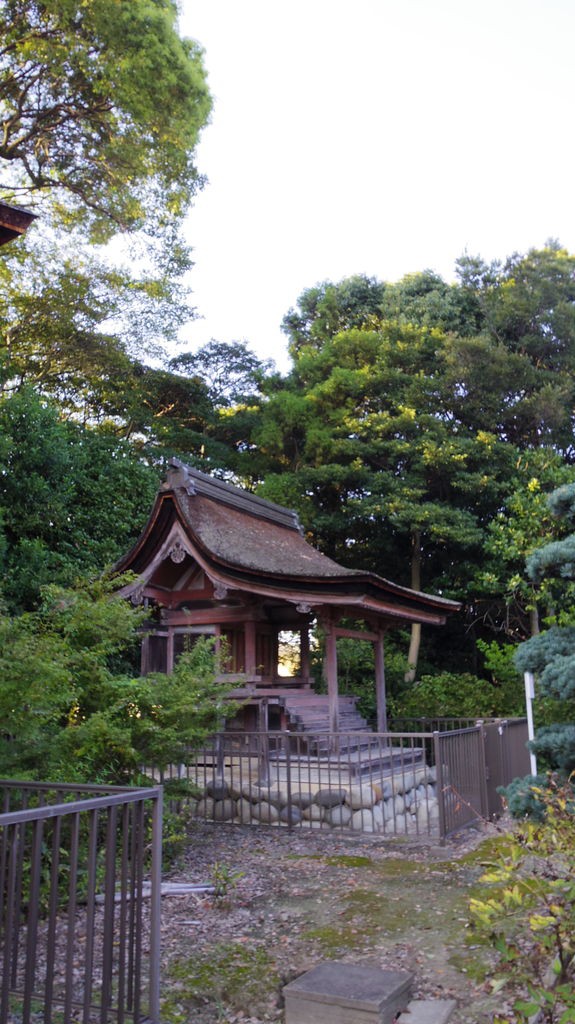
[(293, 900)]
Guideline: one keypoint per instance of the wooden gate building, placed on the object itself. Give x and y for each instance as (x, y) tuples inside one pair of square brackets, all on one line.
[(215, 559)]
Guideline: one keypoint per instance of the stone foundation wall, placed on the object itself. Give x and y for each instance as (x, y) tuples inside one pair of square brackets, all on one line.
[(404, 804)]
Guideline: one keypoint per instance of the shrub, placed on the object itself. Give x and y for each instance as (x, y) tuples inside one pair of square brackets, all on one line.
[(526, 913), (454, 695)]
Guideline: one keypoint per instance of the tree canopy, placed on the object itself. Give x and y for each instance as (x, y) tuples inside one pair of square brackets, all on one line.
[(101, 105)]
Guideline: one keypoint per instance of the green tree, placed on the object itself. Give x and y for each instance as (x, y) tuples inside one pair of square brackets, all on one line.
[(72, 500), (526, 915), (101, 105), (67, 714), (528, 323), (504, 593), (549, 654), (329, 308), (231, 372), (362, 441)]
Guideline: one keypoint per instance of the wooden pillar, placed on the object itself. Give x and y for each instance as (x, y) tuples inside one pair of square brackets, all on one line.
[(304, 652), (170, 652), (263, 743), (380, 684), (250, 647), (145, 655), (331, 674), (275, 653)]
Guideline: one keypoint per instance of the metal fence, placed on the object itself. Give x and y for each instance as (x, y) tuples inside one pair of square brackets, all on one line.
[(80, 873), (418, 783)]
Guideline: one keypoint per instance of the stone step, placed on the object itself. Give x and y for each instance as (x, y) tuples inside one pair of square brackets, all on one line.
[(340, 993), (427, 1011)]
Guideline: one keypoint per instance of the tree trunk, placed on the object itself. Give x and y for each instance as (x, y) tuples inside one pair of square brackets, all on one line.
[(415, 642)]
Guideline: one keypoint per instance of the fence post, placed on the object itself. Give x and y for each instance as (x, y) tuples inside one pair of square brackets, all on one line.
[(484, 770), (155, 908), (286, 746), (219, 771), (263, 758), (440, 786)]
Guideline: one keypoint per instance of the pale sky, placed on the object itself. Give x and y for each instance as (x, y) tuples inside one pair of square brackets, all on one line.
[(378, 137)]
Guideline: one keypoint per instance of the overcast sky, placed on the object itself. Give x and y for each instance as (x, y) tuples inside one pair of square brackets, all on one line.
[(380, 137)]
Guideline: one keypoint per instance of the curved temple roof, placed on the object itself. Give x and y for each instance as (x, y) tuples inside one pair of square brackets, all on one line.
[(248, 544)]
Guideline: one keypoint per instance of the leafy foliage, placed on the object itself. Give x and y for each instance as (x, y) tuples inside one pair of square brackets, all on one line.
[(454, 695), (67, 712), (72, 499), (101, 108), (526, 913)]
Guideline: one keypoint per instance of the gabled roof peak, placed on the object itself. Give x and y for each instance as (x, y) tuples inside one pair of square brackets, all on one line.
[(182, 476)]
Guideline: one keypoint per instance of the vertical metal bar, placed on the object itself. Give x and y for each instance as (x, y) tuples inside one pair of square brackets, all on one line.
[(132, 907), (287, 755), (109, 908), (138, 879), (16, 916), (482, 770), (71, 917), (155, 912), (263, 745), (123, 911), (13, 844), (53, 903), (92, 864), (440, 786), (219, 768), (306, 749), (32, 919)]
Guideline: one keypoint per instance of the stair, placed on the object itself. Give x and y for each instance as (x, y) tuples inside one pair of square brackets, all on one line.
[(309, 712), (356, 752)]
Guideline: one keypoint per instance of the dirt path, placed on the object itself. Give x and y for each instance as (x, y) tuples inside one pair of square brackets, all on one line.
[(306, 897)]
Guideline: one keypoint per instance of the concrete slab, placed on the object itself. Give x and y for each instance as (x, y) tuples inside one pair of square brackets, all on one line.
[(427, 1011), (340, 993)]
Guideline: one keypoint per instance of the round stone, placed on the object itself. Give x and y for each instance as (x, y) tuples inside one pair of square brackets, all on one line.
[(339, 816), (265, 812), (270, 795), (218, 789), (329, 797), (244, 811), (291, 815), (224, 810), (313, 813), (399, 805), (301, 798), (205, 808), (363, 821), (360, 797)]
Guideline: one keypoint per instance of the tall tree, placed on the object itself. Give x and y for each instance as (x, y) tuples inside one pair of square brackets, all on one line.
[(101, 105), (550, 654), (505, 597), (528, 332), (361, 441), (72, 499), (329, 308)]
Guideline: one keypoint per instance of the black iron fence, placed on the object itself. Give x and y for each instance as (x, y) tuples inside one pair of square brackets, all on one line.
[(429, 783), (80, 875)]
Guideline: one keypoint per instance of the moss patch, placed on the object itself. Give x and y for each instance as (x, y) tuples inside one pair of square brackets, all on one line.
[(235, 976), (337, 860)]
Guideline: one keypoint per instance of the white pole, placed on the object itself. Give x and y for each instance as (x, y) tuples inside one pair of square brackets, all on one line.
[(529, 698)]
